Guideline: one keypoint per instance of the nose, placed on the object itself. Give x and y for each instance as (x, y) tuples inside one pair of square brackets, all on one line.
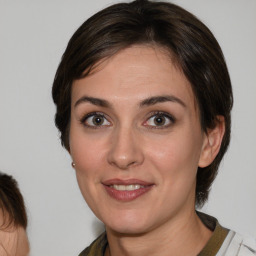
[(126, 149)]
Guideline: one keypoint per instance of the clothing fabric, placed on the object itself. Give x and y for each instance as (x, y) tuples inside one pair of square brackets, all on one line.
[(223, 242)]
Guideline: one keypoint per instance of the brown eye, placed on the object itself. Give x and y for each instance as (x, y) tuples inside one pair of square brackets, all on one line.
[(95, 120), (98, 120), (159, 120)]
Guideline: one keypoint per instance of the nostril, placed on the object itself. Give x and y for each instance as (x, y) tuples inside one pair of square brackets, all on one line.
[(123, 165), (132, 163)]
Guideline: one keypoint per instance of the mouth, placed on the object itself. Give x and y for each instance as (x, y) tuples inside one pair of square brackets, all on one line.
[(126, 190), (127, 187)]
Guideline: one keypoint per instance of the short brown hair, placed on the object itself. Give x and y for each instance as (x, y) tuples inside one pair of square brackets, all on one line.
[(190, 42), (11, 203)]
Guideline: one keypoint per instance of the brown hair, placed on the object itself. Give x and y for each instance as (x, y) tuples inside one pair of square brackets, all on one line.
[(191, 44), (11, 203)]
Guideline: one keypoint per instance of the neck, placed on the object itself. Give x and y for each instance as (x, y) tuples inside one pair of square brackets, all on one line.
[(184, 235)]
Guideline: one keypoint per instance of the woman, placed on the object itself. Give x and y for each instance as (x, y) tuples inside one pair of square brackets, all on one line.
[(143, 99), (13, 219)]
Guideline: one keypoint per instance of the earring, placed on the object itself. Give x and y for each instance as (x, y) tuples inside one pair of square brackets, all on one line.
[(73, 164)]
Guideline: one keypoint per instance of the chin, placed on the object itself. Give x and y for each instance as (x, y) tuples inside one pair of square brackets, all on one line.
[(129, 224), (127, 229)]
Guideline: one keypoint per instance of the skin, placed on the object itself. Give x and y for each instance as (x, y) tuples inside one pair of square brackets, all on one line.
[(128, 144), (14, 242)]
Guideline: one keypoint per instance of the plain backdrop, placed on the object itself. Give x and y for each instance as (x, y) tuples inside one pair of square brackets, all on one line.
[(33, 36)]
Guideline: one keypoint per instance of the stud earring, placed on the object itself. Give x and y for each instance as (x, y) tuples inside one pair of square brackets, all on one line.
[(73, 164)]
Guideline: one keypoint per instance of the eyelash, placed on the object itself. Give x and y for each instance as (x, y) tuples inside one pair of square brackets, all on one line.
[(171, 119)]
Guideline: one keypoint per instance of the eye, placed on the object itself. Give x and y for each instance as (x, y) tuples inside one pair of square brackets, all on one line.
[(160, 120), (95, 120)]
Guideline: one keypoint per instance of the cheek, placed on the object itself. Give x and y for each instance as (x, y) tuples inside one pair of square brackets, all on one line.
[(176, 155), (86, 150), (87, 162), (176, 160), (88, 154)]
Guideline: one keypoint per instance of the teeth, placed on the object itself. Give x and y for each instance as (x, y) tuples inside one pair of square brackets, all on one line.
[(127, 187)]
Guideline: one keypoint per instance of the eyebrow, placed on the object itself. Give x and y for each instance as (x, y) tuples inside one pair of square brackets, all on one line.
[(94, 101), (160, 99), (146, 102)]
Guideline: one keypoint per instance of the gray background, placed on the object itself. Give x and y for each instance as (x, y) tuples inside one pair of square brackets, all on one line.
[(33, 36)]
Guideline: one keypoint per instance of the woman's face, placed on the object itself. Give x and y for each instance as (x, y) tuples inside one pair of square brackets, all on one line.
[(136, 140)]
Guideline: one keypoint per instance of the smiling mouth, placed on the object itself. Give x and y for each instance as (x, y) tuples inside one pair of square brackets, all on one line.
[(126, 190), (127, 187)]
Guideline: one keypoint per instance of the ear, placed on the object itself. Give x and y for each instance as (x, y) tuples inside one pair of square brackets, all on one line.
[(212, 142)]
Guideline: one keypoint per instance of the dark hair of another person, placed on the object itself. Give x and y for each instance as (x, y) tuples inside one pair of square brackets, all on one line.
[(191, 46), (11, 203)]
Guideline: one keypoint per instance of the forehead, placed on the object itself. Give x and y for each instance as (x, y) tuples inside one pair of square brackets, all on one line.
[(135, 72)]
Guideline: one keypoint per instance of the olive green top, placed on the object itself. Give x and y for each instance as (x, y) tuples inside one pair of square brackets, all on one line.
[(98, 247), (217, 238)]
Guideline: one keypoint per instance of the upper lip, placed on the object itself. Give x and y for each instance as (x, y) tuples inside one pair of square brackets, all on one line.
[(126, 182)]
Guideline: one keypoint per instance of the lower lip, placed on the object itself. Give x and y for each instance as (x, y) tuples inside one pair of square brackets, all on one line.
[(126, 195)]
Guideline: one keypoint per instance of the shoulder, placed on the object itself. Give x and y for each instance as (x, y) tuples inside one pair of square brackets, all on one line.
[(97, 247), (237, 244)]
